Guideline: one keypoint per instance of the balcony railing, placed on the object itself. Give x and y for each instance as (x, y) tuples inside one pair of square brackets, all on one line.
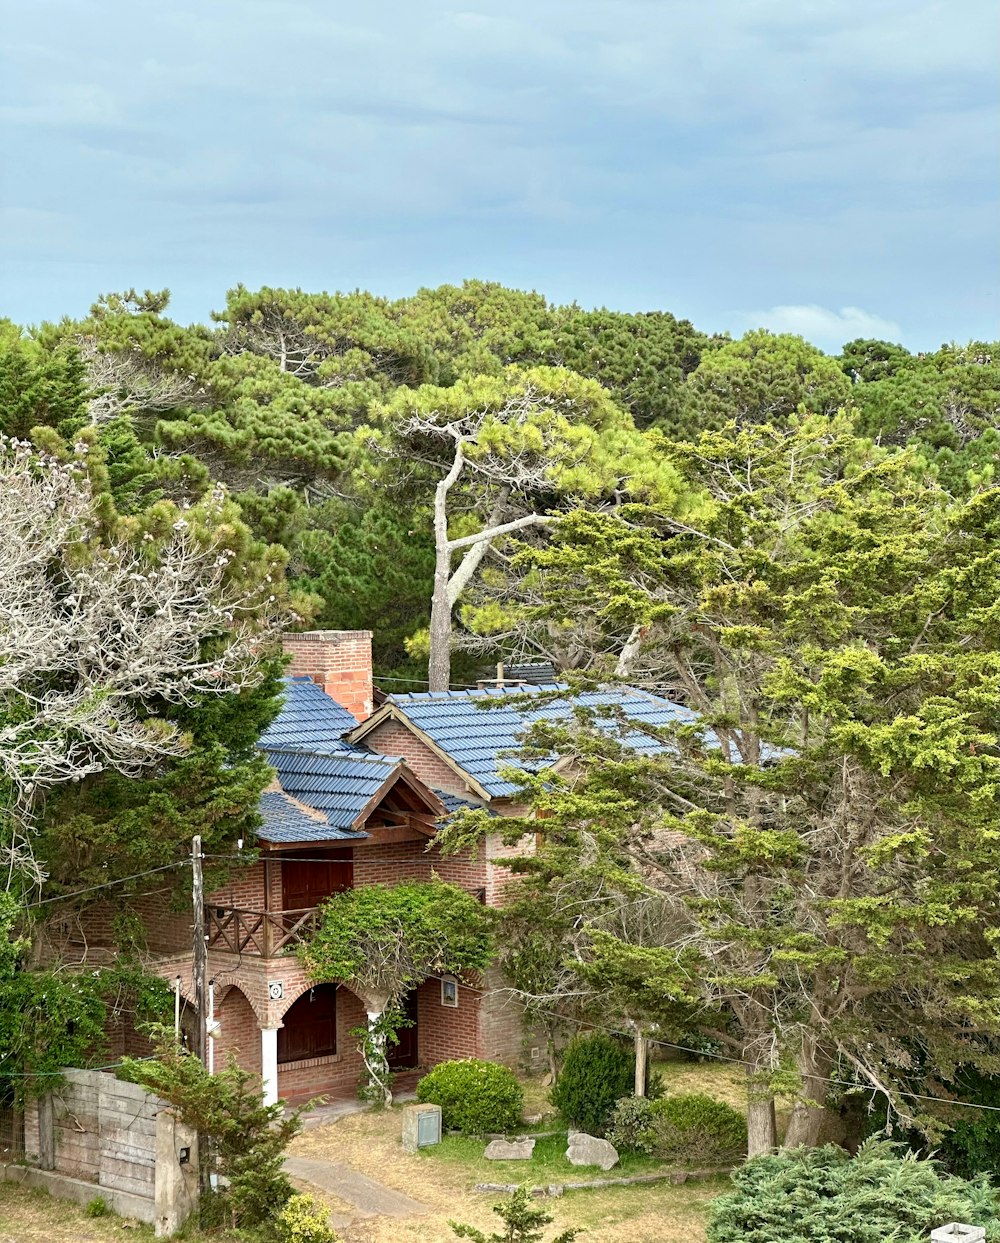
[(263, 933)]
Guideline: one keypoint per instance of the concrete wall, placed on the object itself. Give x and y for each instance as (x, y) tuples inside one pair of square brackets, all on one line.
[(95, 1136)]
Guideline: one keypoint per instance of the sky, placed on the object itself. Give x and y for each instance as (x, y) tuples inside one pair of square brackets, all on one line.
[(826, 167)]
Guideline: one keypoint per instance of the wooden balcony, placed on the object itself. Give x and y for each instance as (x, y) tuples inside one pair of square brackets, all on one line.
[(265, 934)]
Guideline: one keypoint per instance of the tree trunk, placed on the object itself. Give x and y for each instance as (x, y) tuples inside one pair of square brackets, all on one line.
[(809, 1111), (439, 665), (641, 1051), (762, 1130), (377, 1060)]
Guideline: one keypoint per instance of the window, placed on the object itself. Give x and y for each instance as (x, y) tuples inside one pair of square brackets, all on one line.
[(310, 1028), (449, 991)]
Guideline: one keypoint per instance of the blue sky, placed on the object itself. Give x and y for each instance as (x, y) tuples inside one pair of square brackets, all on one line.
[(821, 166)]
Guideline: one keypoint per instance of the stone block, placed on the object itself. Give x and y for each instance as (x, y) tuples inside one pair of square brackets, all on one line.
[(587, 1149), (956, 1232), (510, 1149), (421, 1126)]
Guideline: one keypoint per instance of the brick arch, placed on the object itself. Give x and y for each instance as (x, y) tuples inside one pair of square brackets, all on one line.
[(225, 981), (290, 999), (239, 1027)]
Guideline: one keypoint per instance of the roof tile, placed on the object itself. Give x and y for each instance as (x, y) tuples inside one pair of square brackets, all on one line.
[(483, 740)]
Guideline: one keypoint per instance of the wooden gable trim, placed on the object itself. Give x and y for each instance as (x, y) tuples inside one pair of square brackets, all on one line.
[(399, 775), (392, 712)]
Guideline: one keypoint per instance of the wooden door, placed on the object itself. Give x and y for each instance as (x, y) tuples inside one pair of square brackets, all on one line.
[(310, 1025), (403, 1056), (314, 875)]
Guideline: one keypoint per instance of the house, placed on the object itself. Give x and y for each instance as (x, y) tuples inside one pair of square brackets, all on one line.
[(358, 793)]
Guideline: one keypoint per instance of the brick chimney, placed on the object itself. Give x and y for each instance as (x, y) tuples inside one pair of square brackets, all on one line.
[(339, 660)]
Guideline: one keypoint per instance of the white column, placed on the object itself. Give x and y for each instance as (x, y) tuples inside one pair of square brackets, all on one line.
[(269, 1063)]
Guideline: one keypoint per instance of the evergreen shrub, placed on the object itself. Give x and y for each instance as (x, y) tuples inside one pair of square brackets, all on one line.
[(631, 1125), (972, 1146), (698, 1130), (825, 1196), (597, 1072), (475, 1097)]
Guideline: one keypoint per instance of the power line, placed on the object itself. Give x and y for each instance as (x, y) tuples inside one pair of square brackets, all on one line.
[(722, 1057), (64, 897)]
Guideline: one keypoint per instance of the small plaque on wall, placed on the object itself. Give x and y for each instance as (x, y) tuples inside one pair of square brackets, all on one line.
[(275, 990), (449, 992)]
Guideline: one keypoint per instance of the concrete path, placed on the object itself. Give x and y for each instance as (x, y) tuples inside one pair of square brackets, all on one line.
[(323, 1115), (369, 1198)]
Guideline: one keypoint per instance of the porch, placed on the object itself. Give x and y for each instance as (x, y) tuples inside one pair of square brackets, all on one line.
[(258, 934)]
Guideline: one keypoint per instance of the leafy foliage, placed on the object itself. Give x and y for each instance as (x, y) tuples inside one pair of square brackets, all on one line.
[(695, 1129), (475, 1097), (630, 1125), (597, 1072), (247, 1137), (52, 1019), (303, 1219), (522, 1220), (643, 360), (827, 808), (972, 1144), (823, 1195), (765, 378), (384, 940)]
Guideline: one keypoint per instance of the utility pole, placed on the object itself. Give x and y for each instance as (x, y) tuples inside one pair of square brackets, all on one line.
[(200, 947)]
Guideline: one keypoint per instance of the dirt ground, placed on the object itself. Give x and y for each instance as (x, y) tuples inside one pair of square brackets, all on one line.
[(35, 1217), (658, 1213)]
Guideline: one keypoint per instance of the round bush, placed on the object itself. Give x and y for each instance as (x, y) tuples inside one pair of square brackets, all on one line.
[(475, 1097), (697, 1130), (597, 1072), (631, 1126), (304, 1220)]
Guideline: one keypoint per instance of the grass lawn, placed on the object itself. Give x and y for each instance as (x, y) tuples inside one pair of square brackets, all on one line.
[(442, 1178), (548, 1163), (36, 1217)]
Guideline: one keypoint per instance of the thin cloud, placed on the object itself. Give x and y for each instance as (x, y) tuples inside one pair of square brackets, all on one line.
[(823, 327), (638, 155)]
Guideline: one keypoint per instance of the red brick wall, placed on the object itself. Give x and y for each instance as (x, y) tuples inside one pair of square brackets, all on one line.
[(444, 1032), (394, 862), (340, 661), (245, 888), (239, 1031), (393, 738), (336, 1076)]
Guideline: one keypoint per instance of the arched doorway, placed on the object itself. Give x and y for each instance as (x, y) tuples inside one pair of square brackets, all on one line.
[(309, 1025), (403, 1055)]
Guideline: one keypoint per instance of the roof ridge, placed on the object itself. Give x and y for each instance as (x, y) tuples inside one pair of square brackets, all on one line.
[(354, 754)]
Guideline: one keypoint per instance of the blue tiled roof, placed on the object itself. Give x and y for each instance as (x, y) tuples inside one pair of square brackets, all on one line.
[(483, 740), (286, 823), (309, 720), (452, 802), (339, 784)]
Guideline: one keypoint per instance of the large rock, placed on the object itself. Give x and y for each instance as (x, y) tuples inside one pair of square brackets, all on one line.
[(509, 1150), (587, 1149)]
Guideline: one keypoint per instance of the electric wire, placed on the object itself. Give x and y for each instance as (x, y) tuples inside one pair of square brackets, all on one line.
[(122, 880)]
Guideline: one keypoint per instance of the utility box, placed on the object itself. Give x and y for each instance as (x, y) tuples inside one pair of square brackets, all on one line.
[(956, 1232), (421, 1126)]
